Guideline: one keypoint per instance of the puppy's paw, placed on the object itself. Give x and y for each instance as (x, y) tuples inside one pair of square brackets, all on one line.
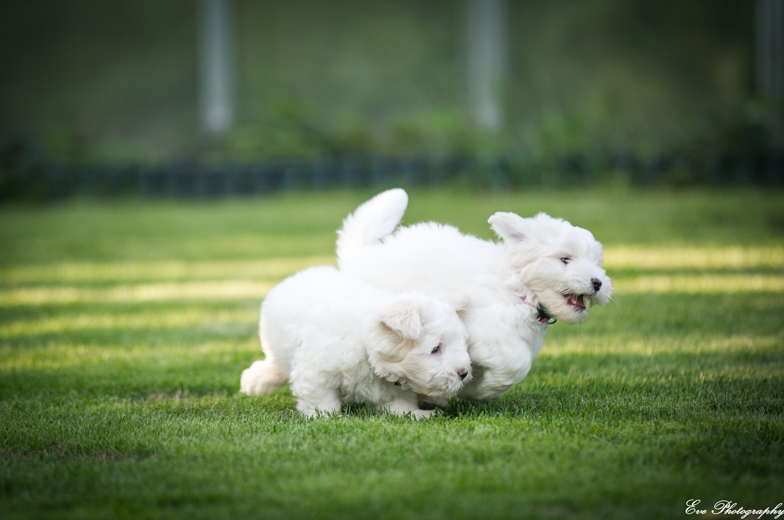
[(422, 414)]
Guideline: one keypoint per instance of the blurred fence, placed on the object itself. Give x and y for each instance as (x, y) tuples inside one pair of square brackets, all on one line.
[(55, 181)]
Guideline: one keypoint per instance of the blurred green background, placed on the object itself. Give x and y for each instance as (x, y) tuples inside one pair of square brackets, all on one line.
[(601, 85)]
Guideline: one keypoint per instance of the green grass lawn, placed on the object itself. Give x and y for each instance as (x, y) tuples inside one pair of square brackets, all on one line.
[(124, 327)]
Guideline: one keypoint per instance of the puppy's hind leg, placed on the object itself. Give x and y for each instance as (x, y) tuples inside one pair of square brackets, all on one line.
[(262, 377)]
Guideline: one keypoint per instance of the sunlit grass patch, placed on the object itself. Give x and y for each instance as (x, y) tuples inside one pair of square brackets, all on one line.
[(700, 284), (191, 291), (237, 347), (692, 260), (153, 319), (666, 343), (124, 272), (708, 257)]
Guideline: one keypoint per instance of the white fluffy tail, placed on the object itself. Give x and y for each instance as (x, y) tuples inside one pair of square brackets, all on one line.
[(262, 377), (371, 221)]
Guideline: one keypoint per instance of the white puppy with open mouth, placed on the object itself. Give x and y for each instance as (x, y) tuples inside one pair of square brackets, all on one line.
[(544, 270), (339, 340)]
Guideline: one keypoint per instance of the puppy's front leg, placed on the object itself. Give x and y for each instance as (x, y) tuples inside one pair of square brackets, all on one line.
[(488, 384), (312, 399), (312, 406), (406, 403)]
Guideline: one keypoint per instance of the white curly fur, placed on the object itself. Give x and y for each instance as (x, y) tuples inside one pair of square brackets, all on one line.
[(543, 262), (337, 339)]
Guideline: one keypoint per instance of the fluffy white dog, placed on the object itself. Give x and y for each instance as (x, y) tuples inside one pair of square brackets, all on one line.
[(545, 270), (337, 339)]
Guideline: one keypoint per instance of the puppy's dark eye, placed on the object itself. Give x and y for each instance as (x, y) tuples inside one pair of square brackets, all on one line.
[(566, 260), (436, 350)]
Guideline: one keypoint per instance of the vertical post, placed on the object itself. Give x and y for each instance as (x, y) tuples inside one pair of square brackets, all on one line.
[(217, 86), (486, 61), (769, 63)]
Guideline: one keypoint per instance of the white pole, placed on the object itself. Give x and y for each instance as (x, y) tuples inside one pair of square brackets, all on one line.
[(217, 86), (486, 61)]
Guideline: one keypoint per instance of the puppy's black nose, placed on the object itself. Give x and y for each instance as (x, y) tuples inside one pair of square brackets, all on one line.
[(462, 373), (597, 284)]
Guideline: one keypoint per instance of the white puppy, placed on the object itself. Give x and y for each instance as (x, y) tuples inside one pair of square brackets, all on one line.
[(337, 339), (546, 269)]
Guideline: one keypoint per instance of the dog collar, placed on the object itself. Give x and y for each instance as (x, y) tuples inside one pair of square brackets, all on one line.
[(543, 317)]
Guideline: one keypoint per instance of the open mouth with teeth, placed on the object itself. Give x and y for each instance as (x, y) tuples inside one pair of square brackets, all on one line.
[(575, 301)]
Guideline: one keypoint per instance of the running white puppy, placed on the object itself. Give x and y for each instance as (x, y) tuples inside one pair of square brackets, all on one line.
[(337, 339), (546, 269)]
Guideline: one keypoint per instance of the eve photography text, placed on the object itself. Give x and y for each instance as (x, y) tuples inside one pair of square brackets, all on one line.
[(728, 507)]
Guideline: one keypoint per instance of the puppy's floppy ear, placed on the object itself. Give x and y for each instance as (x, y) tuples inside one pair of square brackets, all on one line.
[(392, 331), (509, 226), (403, 321)]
